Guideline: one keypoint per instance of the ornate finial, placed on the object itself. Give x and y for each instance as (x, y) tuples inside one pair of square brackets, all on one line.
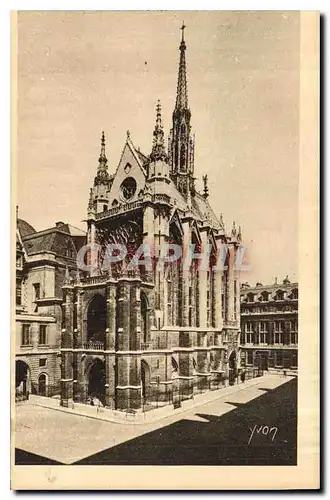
[(158, 148), (102, 170), (128, 135), (239, 234), (222, 224), (234, 230), (275, 280), (67, 277), (103, 159), (206, 189)]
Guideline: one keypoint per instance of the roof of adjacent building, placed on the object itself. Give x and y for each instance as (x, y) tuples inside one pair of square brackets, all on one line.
[(286, 286), (25, 229), (57, 239)]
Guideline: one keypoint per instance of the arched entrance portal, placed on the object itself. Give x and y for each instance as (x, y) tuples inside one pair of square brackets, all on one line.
[(42, 385), (145, 380), (96, 380), (96, 319), (232, 368), (22, 379), (144, 317)]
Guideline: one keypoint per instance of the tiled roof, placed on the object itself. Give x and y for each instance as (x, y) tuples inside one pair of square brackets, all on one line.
[(24, 228), (270, 288), (55, 239)]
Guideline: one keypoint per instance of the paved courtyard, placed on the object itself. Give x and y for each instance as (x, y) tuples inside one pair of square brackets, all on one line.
[(250, 424)]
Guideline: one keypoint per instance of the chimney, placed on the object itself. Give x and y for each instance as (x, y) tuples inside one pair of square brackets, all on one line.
[(275, 280)]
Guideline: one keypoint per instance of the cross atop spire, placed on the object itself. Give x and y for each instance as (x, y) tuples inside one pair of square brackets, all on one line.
[(158, 147), (182, 96), (182, 29)]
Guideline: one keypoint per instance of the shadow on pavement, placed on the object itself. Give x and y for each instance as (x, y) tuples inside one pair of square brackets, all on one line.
[(26, 458), (260, 432)]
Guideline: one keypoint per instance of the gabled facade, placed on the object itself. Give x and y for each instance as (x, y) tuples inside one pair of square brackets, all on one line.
[(132, 337)]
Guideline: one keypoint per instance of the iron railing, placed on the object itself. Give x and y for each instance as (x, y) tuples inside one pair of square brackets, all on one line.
[(93, 345)]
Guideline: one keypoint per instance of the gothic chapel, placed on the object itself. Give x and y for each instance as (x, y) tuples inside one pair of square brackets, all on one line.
[(152, 336)]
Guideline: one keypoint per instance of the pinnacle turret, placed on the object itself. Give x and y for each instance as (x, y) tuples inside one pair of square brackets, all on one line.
[(158, 148), (102, 169)]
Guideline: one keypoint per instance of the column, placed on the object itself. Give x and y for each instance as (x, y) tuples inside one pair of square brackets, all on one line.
[(202, 363), (230, 285), (185, 354), (91, 239), (148, 237), (218, 298), (128, 360), (185, 273), (110, 358), (203, 283), (66, 350)]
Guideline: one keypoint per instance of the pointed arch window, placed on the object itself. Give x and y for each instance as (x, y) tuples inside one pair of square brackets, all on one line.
[(182, 157)]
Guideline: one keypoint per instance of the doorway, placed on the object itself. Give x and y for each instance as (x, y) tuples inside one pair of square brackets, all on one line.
[(96, 380), (42, 385), (145, 380)]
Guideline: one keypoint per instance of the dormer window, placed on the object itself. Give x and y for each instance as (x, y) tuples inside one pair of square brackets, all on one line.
[(250, 297), (36, 292), (279, 295), (264, 297), (69, 251), (294, 294)]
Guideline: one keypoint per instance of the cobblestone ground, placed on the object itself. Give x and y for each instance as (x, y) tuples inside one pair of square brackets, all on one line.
[(253, 426)]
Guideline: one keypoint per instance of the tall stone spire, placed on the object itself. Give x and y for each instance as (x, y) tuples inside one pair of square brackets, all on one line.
[(181, 145), (158, 148), (182, 94), (102, 169)]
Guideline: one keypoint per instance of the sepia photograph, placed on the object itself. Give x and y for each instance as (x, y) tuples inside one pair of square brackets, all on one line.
[(157, 192)]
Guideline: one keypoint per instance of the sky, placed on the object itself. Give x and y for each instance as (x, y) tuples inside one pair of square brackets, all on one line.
[(83, 72)]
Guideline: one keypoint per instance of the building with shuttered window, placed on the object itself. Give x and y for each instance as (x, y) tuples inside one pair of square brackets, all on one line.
[(269, 326)]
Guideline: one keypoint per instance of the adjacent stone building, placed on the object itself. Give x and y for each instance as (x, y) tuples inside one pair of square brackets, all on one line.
[(136, 336), (269, 326), (42, 258)]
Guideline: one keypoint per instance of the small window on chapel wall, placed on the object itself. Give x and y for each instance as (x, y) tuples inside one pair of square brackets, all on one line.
[(127, 168)]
